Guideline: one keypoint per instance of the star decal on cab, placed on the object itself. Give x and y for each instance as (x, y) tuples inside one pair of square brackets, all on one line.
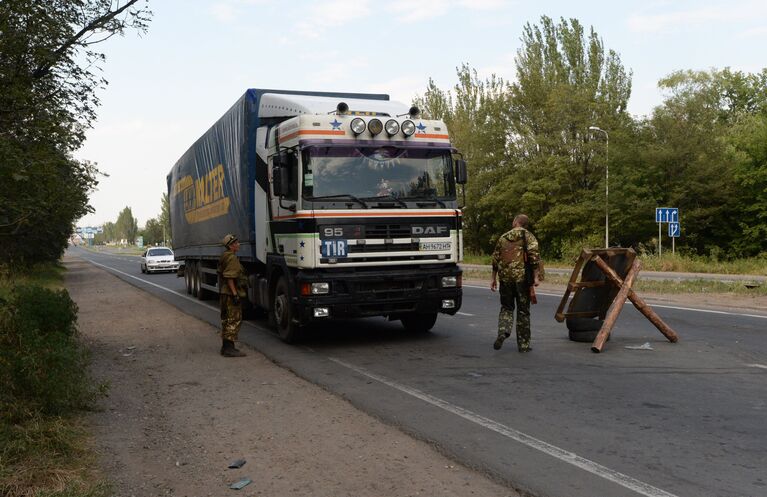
[(336, 124), (421, 128)]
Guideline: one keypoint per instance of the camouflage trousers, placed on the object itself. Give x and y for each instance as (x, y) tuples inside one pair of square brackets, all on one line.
[(231, 317), (515, 295)]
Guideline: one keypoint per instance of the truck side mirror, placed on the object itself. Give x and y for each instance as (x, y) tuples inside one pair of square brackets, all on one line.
[(461, 174)]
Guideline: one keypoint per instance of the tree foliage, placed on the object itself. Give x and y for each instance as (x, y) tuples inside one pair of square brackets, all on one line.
[(529, 148), (126, 226), (528, 144), (152, 232), (49, 76), (707, 157)]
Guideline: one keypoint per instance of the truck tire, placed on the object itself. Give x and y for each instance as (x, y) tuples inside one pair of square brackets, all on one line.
[(282, 312), (188, 277), (583, 329), (193, 278), (419, 323), (202, 293)]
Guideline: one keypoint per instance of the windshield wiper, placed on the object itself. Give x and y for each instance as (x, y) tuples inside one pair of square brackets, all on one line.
[(430, 198), (388, 197), (342, 195)]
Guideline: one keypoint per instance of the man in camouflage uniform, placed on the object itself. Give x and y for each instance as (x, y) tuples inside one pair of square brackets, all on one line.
[(509, 268), (232, 284)]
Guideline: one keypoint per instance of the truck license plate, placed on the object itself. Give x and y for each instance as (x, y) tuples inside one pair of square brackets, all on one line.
[(334, 248), (434, 246)]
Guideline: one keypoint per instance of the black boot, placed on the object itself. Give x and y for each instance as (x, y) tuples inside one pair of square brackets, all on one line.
[(228, 350)]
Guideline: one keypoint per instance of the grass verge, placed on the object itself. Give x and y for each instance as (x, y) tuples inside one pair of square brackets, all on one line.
[(669, 263), (652, 286), (44, 387)]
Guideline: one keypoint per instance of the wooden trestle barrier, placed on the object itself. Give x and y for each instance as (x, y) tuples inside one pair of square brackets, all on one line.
[(623, 286)]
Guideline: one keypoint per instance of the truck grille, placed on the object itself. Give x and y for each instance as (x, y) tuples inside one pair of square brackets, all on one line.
[(387, 231)]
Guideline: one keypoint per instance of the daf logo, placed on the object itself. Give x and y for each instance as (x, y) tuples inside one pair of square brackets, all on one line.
[(429, 230)]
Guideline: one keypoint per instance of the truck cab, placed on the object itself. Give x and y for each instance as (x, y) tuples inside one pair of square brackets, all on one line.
[(364, 219)]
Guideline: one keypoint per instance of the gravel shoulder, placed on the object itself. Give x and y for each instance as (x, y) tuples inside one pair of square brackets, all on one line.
[(178, 413)]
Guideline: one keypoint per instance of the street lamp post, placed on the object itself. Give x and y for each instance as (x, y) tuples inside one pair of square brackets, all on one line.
[(607, 183)]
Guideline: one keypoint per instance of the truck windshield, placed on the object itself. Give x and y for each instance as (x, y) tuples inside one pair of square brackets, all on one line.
[(377, 172)]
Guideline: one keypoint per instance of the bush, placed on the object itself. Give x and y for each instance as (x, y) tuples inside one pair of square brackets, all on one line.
[(43, 367)]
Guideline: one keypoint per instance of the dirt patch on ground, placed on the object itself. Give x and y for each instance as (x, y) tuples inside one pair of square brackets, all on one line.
[(178, 413)]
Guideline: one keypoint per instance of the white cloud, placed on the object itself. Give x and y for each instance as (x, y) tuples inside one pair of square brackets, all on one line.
[(505, 67), (336, 73), (648, 23), (229, 11), (224, 12), (759, 32), (402, 89), (483, 4), (409, 11), (330, 14)]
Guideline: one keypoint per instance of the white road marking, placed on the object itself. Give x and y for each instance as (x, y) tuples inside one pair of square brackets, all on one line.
[(762, 366), (532, 442), (464, 314), (191, 299), (711, 311), (663, 306)]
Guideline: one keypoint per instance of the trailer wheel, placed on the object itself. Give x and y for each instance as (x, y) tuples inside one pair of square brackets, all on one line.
[(419, 323), (188, 277), (202, 293), (193, 278), (283, 313)]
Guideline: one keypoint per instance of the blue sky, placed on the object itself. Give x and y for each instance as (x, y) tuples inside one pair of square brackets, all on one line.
[(169, 85)]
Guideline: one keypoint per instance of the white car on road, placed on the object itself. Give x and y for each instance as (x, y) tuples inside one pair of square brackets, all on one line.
[(158, 259)]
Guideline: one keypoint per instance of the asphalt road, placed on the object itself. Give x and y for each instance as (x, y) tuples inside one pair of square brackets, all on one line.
[(684, 419)]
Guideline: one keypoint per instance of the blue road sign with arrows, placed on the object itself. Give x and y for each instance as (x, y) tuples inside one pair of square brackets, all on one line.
[(674, 229), (666, 215)]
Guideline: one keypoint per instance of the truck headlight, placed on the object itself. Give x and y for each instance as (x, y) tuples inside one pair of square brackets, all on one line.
[(358, 126), (392, 127), (375, 126), (449, 281), (320, 288), (408, 128)]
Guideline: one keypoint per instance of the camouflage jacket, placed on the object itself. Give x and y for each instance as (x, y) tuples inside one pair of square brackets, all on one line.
[(511, 266), (229, 267)]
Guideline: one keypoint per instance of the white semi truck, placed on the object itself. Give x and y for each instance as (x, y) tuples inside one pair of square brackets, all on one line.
[(345, 206)]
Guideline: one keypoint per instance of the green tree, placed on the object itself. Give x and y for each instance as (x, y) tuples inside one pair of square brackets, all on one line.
[(747, 148), (49, 76), (706, 157), (152, 232), (566, 82), (164, 219), (126, 226), (476, 115)]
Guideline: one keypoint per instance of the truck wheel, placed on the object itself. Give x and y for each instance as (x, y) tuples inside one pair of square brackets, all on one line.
[(188, 277), (283, 313), (193, 278), (202, 293), (419, 323)]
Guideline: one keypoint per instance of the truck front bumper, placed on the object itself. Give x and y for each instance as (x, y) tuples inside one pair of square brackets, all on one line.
[(390, 293)]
